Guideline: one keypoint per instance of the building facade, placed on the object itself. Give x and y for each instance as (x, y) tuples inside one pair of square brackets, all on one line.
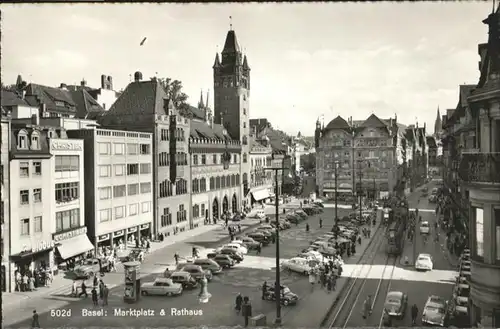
[(261, 180), (46, 179), (118, 189), (5, 203)]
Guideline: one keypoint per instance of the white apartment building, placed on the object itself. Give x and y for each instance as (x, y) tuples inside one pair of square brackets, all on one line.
[(261, 180), (5, 205), (118, 190)]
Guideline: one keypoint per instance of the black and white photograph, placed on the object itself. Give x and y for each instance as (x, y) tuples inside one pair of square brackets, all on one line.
[(299, 165)]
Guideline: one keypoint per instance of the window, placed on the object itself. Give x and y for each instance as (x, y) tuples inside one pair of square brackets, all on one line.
[(133, 189), (119, 212), (105, 171), (244, 158), (212, 183), (217, 182), (37, 195), (202, 210), (146, 207), (145, 168), (35, 141), (67, 163), (67, 191), (180, 187), (203, 185), (165, 189), (166, 217), (203, 159), (132, 149), (195, 186), (244, 111), (145, 187), (24, 169), (132, 210), (25, 226), (22, 140), (497, 234), (37, 168), (105, 215), (119, 148), (121, 190), (164, 134), (104, 148), (163, 159), (37, 223), (132, 169), (244, 140), (119, 169), (25, 196), (105, 193), (235, 158), (181, 214), (2, 214), (67, 219), (244, 124), (145, 149), (479, 238), (214, 158), (195, 159)]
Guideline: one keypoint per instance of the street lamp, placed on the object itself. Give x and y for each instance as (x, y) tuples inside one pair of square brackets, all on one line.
[(336, 194), (277, 288)]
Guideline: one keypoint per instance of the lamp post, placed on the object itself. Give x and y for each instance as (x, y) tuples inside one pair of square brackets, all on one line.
[(277, 288), (336, 194), (360, 190)]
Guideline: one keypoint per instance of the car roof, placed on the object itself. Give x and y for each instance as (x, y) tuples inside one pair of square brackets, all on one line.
[(180, 273), (424, 255), (160, 279), (425, 222), (191, 266), (436, 300), (395, 294)]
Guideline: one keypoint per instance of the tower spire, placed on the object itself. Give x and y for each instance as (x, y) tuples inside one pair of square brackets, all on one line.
[(200, 103), (231, 20), (208, 94)]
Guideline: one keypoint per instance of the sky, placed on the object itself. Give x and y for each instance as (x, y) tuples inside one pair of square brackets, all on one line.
[(308, 60)]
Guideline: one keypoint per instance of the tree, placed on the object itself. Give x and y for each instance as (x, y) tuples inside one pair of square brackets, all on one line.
[(308, 162), (173, 88)]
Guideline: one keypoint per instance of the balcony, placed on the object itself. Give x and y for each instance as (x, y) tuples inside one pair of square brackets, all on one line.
[(476, 167)]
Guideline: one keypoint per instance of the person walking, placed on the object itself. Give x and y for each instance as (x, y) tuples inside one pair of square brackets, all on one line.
[(105, 295), (74, 288), (238, 302), (312, 279), (321, 223), (94, 297), (35, 323), (176, 257), (247, 309), (259, 248), (264, 290), (84, 290), (367, 307), (414, 314)]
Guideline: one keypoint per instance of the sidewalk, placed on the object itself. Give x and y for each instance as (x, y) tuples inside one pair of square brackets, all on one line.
[(318, 303)]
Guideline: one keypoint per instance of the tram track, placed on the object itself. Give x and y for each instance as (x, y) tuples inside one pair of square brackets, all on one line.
[(340, 316)]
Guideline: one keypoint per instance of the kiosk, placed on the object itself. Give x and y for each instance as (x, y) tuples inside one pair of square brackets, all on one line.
[(132, 291)]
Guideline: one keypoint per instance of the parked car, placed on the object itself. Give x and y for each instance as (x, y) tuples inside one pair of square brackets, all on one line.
[(161, 286), (396, 303), (185, 279), (324, 248), (259, 237), (267, 233), (195, 270), (297, 264), (236, 246), (287, 296), (435, 312), (301, 214), (234, 254), (293, 218), (208, 264), (224, 260), (432, 199), (424, 227), (257, 214), (236, 217), (248, 242), (424, 262)]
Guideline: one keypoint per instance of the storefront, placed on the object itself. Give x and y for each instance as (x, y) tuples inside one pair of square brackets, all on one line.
[(39, 257), (71, 245), (259, 195), (145, 229)]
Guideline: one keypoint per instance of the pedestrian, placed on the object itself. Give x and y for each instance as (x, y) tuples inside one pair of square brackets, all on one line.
[(176, 257), (367, 307), (32, 284), (321, 223), (238, 303), (96, 281), (307, 227), (359, 239), (25, 285), (35, 323), (312, 278), (414, 314), (94, 296), (74, 289), (105, 295), (231, 235), (322, 278), (101, 290), (369, 232), (226, 221), (329, 283), (247, 309), (239, 228), (148, 246), (259, 248), (264, 290), (84, 290), (194, 252)]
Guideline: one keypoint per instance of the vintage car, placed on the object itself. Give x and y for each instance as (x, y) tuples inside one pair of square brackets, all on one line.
[(234, 254), (461, 292), (424, 227), (293, 218), (435, 312), (424, 263), (185, 279), (208, 264), (266, 231), (89, 267), (325, 248), (196, 271), (238, 247), (259, 237), (248, 242), (287, 296), (297, 264), (301, 214), (224, 260), (162, 287), (396, 303)]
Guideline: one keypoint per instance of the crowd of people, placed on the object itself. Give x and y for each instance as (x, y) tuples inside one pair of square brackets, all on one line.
[(30, 280)]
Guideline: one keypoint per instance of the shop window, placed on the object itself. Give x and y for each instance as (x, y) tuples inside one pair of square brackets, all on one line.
[(24, 169), (166, 217), (37, 223), (66, 192), (25, 226), (37, 195), (25, 196), (37, 168)]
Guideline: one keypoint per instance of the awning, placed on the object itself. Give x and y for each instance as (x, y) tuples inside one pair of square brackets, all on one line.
[(74, 246), (260, 195)]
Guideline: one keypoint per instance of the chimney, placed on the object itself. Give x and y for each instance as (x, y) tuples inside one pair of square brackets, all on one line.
[(110, 83), (396, 117), (35, 120), (103, 81), (83, 83), (137, 76), (63, 86)]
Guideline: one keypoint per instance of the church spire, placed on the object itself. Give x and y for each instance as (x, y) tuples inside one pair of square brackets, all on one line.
[(200, 103), (217, 61), (207, 103)]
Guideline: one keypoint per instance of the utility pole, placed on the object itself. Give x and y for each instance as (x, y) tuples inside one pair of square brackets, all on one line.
[(336, 194), (360, 190)]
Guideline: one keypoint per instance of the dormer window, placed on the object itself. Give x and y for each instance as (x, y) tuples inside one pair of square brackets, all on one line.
[(52, 134), (59, 103), (22, 140), (35, 141), (244, 140)]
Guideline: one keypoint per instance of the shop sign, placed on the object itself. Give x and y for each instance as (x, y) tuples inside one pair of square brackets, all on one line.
[(118, 233), (145, 226), (132, 230), (103, 237), (65, 146), (43, 245), (70, 234)]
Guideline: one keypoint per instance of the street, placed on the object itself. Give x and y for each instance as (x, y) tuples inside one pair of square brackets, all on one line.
[(396, 276), (246, 278)]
